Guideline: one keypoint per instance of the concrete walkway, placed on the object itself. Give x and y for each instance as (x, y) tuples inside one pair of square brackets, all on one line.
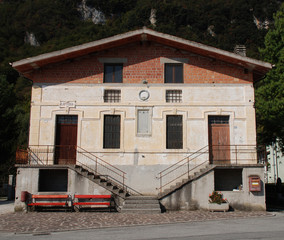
[(6, 206), (42, 222)]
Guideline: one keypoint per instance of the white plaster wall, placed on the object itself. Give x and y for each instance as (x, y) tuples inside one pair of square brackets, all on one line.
[(196, 193), (27, 180), (143, 152), (245, 199)]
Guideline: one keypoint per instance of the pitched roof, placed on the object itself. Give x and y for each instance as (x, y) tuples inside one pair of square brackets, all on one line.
[(27, 65)]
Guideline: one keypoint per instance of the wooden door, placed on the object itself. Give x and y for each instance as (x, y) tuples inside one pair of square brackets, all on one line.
[(66, 139), (219, 139)]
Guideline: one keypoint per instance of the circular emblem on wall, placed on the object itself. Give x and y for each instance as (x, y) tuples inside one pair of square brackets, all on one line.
[(144, 95)]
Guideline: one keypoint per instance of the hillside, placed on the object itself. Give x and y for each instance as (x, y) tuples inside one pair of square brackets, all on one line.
[(31, 27)]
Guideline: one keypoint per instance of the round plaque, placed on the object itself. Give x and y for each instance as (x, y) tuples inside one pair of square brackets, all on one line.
[(144, 95)]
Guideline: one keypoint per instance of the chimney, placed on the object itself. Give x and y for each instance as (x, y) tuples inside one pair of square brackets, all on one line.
[(240, 50)]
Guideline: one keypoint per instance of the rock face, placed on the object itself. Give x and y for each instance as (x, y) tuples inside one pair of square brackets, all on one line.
[(261, 25), (152, 18), (31, 39), (87, 12), (210, 31)]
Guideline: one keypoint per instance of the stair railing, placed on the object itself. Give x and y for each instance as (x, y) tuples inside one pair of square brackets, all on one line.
[(182, 168), (100, 167)]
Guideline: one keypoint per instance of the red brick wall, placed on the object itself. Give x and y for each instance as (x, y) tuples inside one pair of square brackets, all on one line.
[(143, 63)]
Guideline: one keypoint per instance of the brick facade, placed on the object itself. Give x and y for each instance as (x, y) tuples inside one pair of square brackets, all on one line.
[(143, 63)]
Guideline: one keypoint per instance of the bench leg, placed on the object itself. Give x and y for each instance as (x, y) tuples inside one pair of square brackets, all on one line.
[(77, 209)]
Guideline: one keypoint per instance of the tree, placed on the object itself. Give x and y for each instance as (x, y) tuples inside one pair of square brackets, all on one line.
[(270, 91)]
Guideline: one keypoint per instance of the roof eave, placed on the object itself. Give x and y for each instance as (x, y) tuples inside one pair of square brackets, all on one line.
[(33, 63)]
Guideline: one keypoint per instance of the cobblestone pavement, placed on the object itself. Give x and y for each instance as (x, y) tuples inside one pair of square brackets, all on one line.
[(42, 222)]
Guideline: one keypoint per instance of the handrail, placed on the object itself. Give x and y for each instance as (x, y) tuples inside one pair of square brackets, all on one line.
[(85, 151), (180, 164), (45, 155), (217, 154)]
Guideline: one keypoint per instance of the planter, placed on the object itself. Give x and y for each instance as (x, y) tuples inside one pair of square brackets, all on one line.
[(215, 207)]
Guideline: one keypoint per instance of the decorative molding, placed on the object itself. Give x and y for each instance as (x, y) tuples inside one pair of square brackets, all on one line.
[(67, 105)]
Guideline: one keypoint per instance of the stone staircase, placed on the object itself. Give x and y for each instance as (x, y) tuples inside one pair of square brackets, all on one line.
[(184, 181), (141, 205), (103, 181)]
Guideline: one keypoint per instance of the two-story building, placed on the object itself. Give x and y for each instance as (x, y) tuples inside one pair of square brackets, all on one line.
[(152, 113)]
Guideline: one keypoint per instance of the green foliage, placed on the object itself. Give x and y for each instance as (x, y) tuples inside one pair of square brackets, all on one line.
[(270, 92), (216, 197), (57, 24)]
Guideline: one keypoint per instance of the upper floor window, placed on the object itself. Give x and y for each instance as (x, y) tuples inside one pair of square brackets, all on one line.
[(173, 73), (173, 95), (112, 96), (113, 73)]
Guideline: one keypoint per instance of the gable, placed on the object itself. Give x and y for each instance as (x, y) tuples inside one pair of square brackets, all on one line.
[(142, 36), (142, 62)]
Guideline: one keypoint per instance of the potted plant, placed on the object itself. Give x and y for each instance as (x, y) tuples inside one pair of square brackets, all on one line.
[(217, 202)]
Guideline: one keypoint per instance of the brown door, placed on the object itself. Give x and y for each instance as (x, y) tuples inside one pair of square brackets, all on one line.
[(219, 139), (66, 139)]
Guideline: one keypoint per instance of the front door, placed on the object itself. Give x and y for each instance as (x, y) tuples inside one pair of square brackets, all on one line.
[(66, 139), (219, 139)]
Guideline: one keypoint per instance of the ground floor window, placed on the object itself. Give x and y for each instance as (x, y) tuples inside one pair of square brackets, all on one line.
[(111, 131), (228, 179), (53, 180), (174, 132)]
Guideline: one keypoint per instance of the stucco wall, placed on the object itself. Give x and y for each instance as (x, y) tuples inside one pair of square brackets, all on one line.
[(195, 194), (231, 100), (28, 179)]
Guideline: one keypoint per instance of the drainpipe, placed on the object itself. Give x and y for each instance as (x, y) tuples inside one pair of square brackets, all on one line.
[(276, 161)]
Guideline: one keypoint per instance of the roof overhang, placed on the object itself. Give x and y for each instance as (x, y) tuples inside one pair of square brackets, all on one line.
[(28, 65)]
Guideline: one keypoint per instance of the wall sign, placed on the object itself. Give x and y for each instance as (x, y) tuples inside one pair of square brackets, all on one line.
[(67, 105)]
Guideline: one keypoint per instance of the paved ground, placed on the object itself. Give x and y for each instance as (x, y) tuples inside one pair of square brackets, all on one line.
[(40, 222)]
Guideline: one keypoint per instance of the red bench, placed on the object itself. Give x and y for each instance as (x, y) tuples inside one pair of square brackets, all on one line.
[(50, 200), (92, 200)]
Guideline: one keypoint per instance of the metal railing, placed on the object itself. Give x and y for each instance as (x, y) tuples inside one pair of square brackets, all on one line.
[(183, 167), (73, 155), (213, 154), (100, 167)]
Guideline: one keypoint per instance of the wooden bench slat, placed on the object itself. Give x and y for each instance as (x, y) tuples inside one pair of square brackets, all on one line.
[(93, 196), (92, 203), (50, 196), (47, 203)]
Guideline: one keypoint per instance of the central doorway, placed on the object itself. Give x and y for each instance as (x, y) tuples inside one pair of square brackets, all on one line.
[(66, 139), (219, 139)]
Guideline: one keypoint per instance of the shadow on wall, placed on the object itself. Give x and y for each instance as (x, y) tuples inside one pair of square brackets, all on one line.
[(274, 196)]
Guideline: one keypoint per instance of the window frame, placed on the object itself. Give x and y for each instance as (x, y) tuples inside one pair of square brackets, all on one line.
[(170, 144), (173, 96), (115, 96), (113, 65), (173, 78), (109, 143)]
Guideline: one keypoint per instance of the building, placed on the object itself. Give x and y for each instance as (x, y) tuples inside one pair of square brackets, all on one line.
[(152, 113), (275, 160)]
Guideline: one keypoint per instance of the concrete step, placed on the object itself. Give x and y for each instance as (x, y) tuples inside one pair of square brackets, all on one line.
[(138, 206), (142, 197), (141, 201), (141, 205), (141, 211)]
